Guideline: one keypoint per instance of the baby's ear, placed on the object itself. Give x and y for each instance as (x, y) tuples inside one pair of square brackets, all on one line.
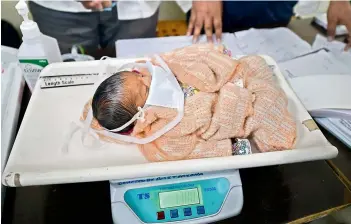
[(146, 78), (144, 71)]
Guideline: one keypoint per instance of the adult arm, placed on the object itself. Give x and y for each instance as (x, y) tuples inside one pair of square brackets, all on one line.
[(339, 12), (207, 15)]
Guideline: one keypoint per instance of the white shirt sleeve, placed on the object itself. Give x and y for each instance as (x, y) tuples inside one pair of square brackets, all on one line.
[(141, 9), (127, 9), (185, 5)]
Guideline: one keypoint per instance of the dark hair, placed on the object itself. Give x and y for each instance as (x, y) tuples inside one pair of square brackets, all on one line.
[(112, 105)]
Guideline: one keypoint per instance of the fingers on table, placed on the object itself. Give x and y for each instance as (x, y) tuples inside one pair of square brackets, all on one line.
[(191, 24), (332, 23), (348, 26), (208, 28), (199, 23), (218, 28), (348, 45)]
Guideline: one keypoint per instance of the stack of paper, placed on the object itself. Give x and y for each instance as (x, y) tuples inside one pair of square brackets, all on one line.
[(318, 63), (322, 82), (324, 95), (279, 43), (149, 46), (340, 128), (336, 47)]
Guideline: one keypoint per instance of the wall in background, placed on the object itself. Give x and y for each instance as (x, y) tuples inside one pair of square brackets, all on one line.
[(10, 14), (169, 10)]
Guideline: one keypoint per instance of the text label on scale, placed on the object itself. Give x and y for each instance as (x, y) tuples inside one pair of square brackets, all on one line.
[(68, 80)]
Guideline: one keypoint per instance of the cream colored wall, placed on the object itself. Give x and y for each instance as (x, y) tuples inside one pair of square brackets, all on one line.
[(169, 10), (10, 14)]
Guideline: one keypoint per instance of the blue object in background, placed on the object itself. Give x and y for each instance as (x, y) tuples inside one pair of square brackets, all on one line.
[(242, 15)]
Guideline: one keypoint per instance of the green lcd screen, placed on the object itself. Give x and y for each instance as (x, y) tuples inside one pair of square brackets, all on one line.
[(179, 198)]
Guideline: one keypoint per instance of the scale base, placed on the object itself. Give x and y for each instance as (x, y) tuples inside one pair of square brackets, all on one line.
[(135, 211)]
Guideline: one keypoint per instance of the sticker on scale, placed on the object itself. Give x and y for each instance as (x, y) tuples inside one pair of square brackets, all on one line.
[(68, 80), (31, 70)]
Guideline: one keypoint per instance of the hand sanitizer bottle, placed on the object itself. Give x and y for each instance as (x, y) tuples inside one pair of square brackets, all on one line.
[(37, 50)]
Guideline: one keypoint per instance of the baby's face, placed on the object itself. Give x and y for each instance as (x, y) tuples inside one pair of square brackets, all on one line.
[(138, 83)]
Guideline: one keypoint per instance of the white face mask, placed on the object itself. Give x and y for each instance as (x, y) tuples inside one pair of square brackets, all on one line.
[(164, 91)]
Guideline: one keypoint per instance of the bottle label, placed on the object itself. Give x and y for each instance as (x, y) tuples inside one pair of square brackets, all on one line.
[(31, 70)]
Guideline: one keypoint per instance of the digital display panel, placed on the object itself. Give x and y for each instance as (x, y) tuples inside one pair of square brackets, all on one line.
[(179, 198)]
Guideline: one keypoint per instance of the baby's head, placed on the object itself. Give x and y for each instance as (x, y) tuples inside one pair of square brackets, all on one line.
[(117, 99)]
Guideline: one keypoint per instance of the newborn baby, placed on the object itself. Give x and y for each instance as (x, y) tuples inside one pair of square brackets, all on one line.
[(225, 99)]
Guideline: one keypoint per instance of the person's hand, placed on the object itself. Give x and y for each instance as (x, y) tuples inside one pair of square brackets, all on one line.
[(98, 5), (207, 14), (339, 12)]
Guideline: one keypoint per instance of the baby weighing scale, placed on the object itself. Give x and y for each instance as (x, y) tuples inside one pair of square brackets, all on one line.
[(186, 191)]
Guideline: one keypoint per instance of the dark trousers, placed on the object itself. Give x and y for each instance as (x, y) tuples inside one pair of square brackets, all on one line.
[(242, 15), (90, 29)]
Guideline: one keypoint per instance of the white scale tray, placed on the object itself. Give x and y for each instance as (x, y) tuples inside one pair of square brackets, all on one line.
[(37, 157)]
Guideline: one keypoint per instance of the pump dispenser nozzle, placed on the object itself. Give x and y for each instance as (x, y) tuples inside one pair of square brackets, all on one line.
[(23, 10), (28, 27)]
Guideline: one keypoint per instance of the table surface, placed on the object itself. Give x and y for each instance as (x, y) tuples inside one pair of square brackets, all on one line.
[(274, 194)]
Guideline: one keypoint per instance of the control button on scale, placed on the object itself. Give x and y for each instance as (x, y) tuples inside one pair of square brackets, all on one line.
[(160, 215), (200, 210), (174, 213), (187, 212)]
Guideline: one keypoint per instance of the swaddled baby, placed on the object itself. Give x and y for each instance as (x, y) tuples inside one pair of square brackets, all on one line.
[(224, 99)]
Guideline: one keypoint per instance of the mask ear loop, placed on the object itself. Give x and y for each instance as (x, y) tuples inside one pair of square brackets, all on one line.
[(104, 62), (73, 128), (86, 130), (140, 115)]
